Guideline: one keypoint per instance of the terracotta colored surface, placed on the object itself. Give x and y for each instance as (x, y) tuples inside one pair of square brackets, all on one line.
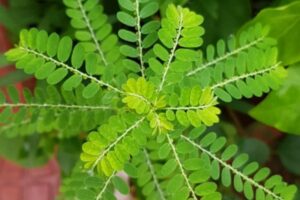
[(17, 183)]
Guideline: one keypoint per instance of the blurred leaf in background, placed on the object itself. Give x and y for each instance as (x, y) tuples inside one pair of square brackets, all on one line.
[(256, 149), (284, 23), (68, 154), (222, 18), (289, 152), (31, 151), (281, 108), (44, 14)]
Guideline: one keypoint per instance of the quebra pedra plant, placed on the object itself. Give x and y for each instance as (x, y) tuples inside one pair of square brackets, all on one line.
[(146, 98)]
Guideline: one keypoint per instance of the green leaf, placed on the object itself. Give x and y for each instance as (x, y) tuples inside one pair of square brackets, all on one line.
[(149, 10), (262, 174), (289, 153), (86, 194), (127, 35), (41, 42), (240, 160), (184, 147), (129, 51), (193, 164), (64, 49), (78, 56), (161, 52), (57, 76), (283, 101), (131, 65), (156, 66), (127, 4), (44, 71), (52, 45), (226, 177), (120, 185), (169, 167), (150, 27), (91, 63), (131, 170), (223, 95), (205, 189), (248, 190), (187, 55), (208, 139), (238, 183), (256, 149), (164, 151), (90, 90), (175, 183), (72, 82), (229, 152), (126, 19), (281, 18)]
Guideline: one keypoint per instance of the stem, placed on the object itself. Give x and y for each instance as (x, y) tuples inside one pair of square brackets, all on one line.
[(72, 69), (234, 171), (139, 33), (236, 78), (172, 55), (91, 30), (108, 149), (219, 59), (152, 171), (181, 167), (55, 106), (107, 182)]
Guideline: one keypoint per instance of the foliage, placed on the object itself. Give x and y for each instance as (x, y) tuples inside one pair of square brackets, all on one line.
[(283, 101), (146, 101), (289, 152), (286, 16), (19, 14)]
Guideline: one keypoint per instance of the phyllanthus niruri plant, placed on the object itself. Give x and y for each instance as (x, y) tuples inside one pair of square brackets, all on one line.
[(146, 101)]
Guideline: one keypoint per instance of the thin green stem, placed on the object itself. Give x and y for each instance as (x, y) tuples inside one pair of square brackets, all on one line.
[(172, 54), (55, 106), (9, 126), (244, 76), (234, 171), (170, 141), (111, 146), (72, 69), (139, 34), (83, 75), (92, 32), (153, 174), (226, 56), (201, 107), (107, 182)]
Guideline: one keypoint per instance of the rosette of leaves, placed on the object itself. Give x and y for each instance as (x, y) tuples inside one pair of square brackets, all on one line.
[(159, 90)]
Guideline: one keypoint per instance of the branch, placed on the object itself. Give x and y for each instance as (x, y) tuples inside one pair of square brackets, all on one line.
[(72, 69), (154, 177), (91, 30), (139, 34), (233, 170), (201, 107), (107, 182), (12, 125), (181, 167), (219, 59), (55, 106), (108, 149), (172, 55), (244, 76)]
